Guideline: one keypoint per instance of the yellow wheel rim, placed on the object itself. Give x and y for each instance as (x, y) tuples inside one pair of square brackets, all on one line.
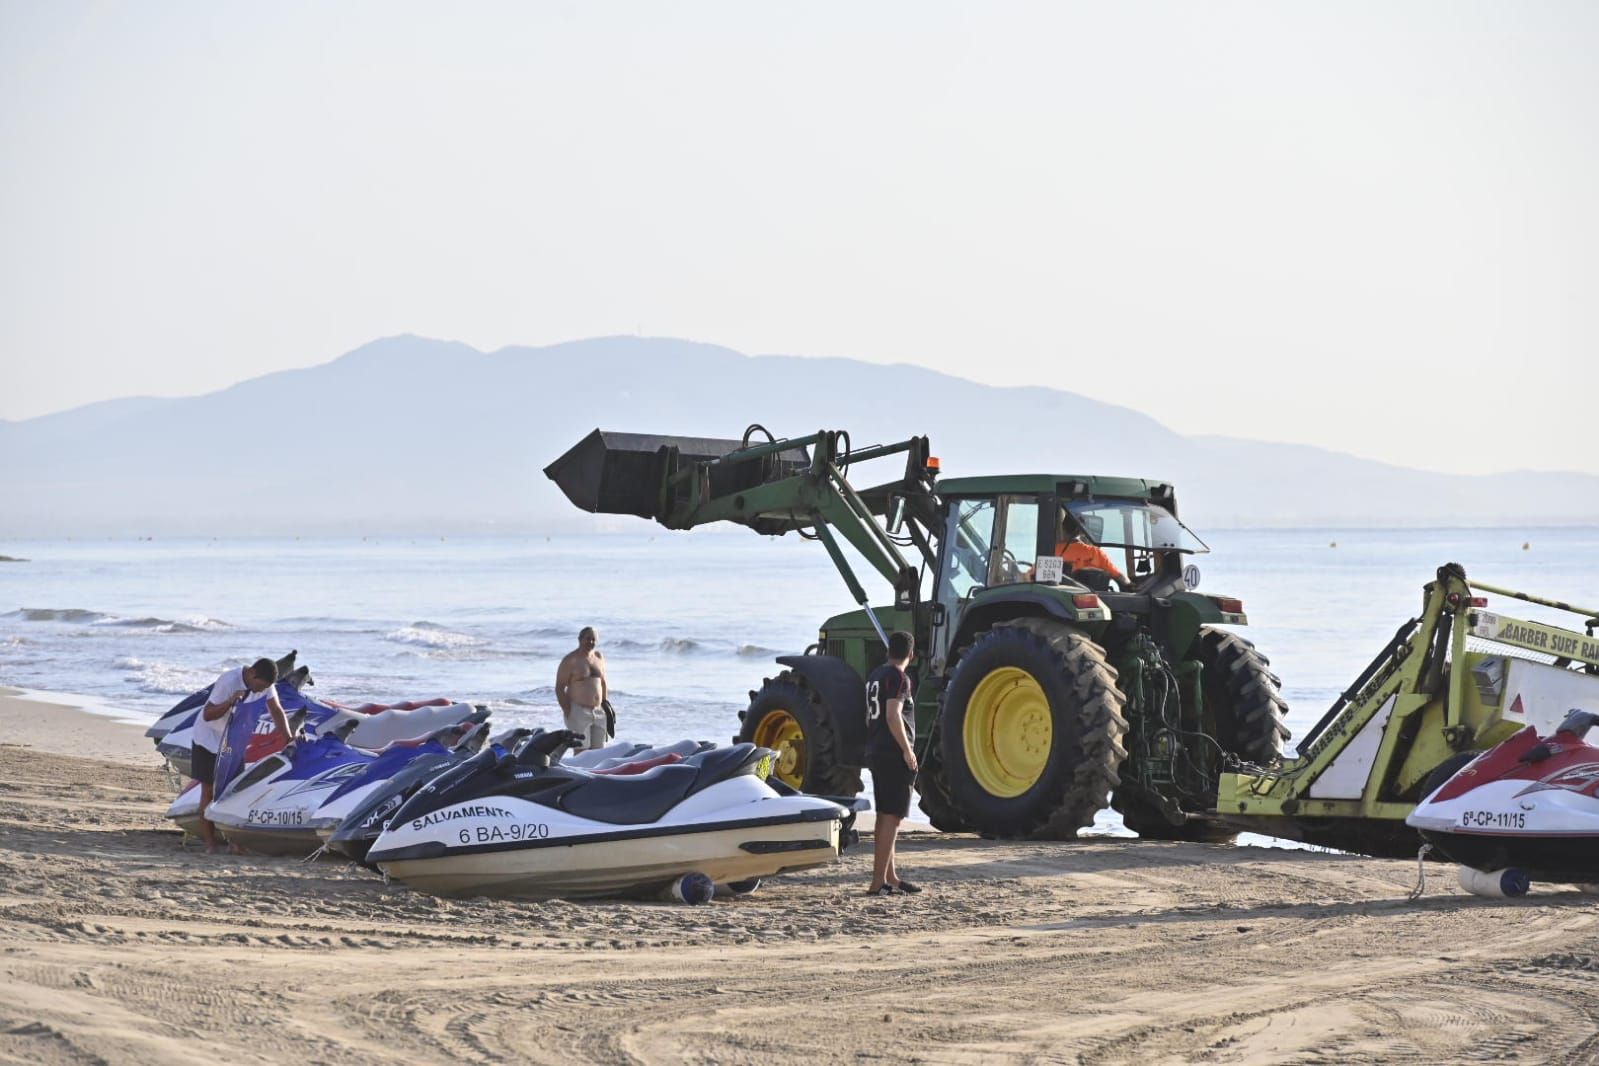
[(1008, 732), (780, 731)]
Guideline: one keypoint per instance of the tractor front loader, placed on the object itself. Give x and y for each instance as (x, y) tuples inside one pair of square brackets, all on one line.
[(1040, 692), (1453, 681)]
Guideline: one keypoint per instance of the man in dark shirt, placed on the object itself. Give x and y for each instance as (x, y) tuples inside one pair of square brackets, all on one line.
[(890, 755)]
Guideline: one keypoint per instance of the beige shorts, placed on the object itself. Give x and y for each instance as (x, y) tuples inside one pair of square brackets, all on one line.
[(589, 725)]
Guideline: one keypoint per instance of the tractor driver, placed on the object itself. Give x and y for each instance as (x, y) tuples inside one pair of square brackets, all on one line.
[(1079, 553)]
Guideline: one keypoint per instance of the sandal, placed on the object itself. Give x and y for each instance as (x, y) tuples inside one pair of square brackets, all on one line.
[(907, 888)]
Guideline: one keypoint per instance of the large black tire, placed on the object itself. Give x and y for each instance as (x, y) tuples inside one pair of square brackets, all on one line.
[(1086, 727), (1241, 696), (807, 759), (932, 785), (1245, 697)]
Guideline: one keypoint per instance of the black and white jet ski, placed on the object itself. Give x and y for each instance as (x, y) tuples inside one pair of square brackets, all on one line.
[(350, 821), (528, 824), (364, 822), (1531, 804)]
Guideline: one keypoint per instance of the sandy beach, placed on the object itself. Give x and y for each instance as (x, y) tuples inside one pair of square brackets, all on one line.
[(120, 946)]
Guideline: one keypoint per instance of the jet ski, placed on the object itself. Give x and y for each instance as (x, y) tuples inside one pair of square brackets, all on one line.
[(363, 823), (183, 714), (376, 725), (365, 820), (268, 808), (254, 750), (177, 742), (1532, 803), (530, 824), (405, 760)]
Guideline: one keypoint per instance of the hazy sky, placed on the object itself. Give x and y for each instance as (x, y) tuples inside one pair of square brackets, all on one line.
[(1371, 227)]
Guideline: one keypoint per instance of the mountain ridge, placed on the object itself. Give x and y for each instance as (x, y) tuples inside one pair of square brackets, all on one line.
[(411, 433)]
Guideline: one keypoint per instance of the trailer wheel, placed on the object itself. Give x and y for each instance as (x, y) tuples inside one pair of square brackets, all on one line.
[(1032, 730), (932, 784), (1242, 698), (789, 717)]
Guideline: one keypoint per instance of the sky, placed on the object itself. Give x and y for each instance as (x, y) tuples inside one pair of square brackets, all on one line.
[(1369, 227)]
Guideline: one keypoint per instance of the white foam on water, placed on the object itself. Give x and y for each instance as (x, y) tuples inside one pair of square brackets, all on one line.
[(429, 635), (165, 678)]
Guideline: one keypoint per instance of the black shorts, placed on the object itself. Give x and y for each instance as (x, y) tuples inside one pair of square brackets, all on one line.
[(891, 782), (202, 764)]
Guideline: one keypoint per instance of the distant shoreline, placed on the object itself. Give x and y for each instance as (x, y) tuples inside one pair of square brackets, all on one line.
[(652, 532)]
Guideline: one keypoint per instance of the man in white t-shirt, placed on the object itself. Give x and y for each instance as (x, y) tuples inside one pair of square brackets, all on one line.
[(245, 684)]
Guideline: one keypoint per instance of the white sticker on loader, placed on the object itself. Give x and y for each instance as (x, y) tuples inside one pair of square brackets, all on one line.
[(1346, 777), (1541, 696)]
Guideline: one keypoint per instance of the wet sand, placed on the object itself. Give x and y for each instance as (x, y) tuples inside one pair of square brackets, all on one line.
[(117, 945)]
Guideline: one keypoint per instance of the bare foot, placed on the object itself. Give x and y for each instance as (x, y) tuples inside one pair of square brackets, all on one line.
[(234, 849), (211, 849)]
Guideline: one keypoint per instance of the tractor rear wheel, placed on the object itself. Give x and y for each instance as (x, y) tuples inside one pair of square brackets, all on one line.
[(1242, 699), (1032, 731), (789, 716), (932, 784)]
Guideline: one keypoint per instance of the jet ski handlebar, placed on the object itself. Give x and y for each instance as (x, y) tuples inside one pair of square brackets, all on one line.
[(1578, 722)]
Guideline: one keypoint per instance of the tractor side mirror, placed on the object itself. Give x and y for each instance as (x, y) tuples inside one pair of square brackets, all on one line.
[(896, 513)]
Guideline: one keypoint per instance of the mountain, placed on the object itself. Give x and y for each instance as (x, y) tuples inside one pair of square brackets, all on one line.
[(408, 434)]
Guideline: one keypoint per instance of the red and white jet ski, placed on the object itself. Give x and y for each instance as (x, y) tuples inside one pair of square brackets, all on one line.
[(1531, 803)]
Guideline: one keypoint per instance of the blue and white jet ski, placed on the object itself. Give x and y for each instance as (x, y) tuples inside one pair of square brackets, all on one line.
[(529, 824), (274, 804), (182, 715)]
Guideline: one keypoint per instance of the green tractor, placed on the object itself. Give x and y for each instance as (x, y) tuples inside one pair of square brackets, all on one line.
[(1042, 691)]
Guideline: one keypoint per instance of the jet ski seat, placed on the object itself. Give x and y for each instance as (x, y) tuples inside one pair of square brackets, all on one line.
[(720, 764), (632, 800), (640, 766)]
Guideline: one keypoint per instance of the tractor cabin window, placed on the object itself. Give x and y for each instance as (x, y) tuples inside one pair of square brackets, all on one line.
[(970, 538)]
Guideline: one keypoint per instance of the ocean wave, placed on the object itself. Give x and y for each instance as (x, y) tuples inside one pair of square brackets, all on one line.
[(165, 625), (57, 614), (680, 645), (168, 679), (754, 649), (81, 616), (431, 635), (549, 631)]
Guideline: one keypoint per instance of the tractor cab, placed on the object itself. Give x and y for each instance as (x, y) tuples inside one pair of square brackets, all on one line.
[(1071, 538)]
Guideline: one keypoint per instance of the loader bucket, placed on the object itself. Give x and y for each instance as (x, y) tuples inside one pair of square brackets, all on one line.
[(625, 473)]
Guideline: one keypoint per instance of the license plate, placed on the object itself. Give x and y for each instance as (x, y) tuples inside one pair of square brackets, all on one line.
[(1493, 820)]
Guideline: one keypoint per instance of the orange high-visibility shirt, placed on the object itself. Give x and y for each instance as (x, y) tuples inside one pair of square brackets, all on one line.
[(1080, 556)]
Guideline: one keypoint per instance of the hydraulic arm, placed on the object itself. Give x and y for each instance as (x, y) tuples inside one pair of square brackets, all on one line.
[(772, 487)]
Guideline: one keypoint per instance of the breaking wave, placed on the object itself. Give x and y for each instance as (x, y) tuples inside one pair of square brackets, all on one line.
[(80, 616), (57, 614), (431, 635), (167, 679)]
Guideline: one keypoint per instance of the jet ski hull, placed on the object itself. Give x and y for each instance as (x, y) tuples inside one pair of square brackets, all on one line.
[(270, 840), (634, 865)]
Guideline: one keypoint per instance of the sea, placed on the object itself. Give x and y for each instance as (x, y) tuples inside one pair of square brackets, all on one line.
[(689, 622)]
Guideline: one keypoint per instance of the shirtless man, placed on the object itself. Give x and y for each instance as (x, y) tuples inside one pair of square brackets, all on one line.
[(581, 690)]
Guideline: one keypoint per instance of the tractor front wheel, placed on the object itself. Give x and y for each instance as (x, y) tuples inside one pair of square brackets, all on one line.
[(790, 717), (1032, 731)]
